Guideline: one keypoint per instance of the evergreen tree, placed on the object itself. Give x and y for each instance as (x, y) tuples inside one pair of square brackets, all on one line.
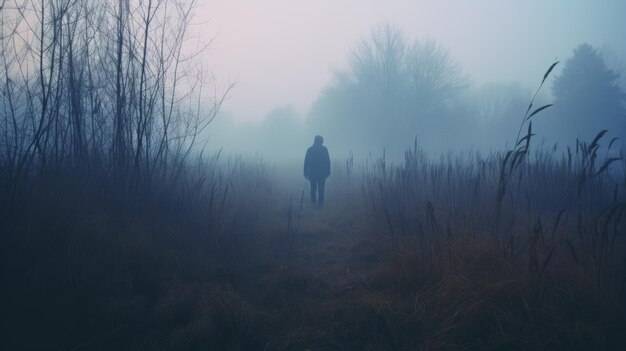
[(587, 98)]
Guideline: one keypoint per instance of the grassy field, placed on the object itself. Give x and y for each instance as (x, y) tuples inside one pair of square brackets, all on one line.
[(119, 232), (406, 256)]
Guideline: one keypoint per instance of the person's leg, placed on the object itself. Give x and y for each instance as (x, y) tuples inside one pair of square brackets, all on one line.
[(320, 186), (313, 189)]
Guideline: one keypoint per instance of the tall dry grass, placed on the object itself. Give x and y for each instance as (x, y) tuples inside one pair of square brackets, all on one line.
[(89, 265), (530, 241)]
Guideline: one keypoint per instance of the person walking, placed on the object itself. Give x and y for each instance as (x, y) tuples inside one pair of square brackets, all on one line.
[(317, 169)]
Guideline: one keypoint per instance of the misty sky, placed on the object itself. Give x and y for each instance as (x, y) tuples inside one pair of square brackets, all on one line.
[(282, 52)]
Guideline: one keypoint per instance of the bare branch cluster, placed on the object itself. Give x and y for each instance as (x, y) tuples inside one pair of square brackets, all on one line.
[(109, 86)]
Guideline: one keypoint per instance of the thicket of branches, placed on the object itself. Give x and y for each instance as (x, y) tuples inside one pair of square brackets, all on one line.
[(105, 86)]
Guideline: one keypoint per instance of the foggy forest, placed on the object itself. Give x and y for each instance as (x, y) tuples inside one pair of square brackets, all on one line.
[(281, 175)]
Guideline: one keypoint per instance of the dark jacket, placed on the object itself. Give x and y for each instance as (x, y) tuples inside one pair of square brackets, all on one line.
[(316, 162)]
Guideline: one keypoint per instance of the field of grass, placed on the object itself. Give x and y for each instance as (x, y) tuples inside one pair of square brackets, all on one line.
[(406, 256), (118, 233)]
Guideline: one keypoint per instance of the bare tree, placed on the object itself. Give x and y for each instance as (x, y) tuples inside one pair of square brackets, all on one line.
[(390, 90), (101, 84)]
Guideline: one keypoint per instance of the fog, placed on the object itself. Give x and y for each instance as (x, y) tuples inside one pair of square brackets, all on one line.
[(459, 75), (159, 190)]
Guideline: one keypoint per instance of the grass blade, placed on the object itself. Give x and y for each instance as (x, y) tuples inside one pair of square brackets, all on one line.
[(538, 110), (545, 76)]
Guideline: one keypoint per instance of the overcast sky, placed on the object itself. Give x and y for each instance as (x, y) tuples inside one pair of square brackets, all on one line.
[(282, 52)]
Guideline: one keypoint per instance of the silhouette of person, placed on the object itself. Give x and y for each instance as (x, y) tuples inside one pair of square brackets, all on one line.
[(317, 168)]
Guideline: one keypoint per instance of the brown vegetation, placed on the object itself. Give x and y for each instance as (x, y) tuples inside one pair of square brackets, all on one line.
[(115, 234)]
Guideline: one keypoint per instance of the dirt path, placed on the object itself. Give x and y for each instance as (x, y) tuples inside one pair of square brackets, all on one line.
[(323, 239), (320, 290)]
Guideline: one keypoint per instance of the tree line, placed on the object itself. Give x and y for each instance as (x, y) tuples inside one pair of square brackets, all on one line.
[(394, 90)]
